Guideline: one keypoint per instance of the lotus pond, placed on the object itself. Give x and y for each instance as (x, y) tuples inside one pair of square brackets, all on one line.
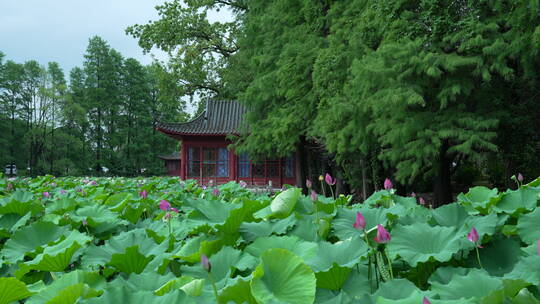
[(159, 240)]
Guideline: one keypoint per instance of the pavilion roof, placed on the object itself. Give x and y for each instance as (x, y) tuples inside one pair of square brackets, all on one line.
[(219, 118)]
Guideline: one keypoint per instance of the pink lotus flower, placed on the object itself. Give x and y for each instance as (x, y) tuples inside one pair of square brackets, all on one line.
[(413, 194), (421, 201), (520, 177), (215, 192), (203, 187), (383, 236), (174, 210), (164, 205), (329, 180), (243, 184), (314, 195), (387, 184), (360, 222), (46, 194), (143, 194), (426, 301), (308, 183), (205, 262), (473, 237)]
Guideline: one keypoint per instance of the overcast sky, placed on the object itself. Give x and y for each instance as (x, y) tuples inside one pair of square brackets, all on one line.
[(58, 30)]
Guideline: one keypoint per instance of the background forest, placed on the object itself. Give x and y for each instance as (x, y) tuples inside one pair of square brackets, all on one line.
[(435, 93), (439, 94), (102, 119)]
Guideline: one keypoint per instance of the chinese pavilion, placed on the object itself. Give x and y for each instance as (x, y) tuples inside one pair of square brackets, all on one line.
[(205, 156)]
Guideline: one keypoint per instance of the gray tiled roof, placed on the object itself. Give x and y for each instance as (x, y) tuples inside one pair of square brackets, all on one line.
[(219, 118), (173, 156)]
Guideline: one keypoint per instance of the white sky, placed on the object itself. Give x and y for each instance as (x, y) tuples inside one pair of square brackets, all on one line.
[(58, 30)]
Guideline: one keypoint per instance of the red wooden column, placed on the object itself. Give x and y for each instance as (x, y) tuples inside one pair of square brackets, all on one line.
[(183, 161)]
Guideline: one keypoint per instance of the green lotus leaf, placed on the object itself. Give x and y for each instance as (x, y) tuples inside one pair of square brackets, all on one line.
[(305, 250), (527, 269), (251, 231), (485, 225), (333, 278), (146, 281), (130, 261), (306, 229), (529, 226), (498, 257), (358, 284), (239, 293), (420, 242), (193, 248), (517, 201), (476, 285), (223, 264), (20, 202), (344, 220), (237, 217), (9, 223), (128, 250), (95, 215), (343, 253), (479, 199), (282, 205), (61, 206), (12, 290), (451, 215), (70, 287), (331, 298), (417, 297), (209, 212), (126, 295), (57, 257), (29, 240), (524, 296), (282, 276), (443, 275), (191, 286)]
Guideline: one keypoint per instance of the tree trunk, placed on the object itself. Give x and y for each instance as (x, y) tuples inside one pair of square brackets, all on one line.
[(302, 159), (442, 187)]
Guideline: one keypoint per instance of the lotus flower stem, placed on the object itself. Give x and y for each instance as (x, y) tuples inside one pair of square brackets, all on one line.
[(478, 257), (332, 191), (389, 262), (322, 186), (212, 282)]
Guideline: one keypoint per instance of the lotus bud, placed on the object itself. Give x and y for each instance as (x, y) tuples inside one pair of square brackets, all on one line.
[(413, 194), (46, 194), (143, 194), (387, 184), (175, 210), (520, 177), (360, 222), (383, 236), (215, 192), (164, 205), (205, 262), (329, 180), (321, 178), (426, 301), (421, 201), (308, 184), (243, 184), (314, 195)]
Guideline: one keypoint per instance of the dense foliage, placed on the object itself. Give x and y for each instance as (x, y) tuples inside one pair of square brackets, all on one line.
[(428, 91), (104, 117), (118, 240)]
